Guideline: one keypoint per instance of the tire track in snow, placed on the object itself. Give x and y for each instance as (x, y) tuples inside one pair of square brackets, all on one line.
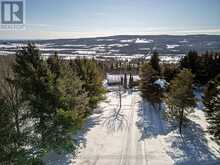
[(131, 145), (134, 147), (125, 134), (125, 147), (98, 156)]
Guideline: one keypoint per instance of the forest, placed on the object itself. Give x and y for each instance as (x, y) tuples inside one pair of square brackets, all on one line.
[(44, 102)]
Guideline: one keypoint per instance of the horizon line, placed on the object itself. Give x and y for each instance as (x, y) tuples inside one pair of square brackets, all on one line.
[(107, 36)]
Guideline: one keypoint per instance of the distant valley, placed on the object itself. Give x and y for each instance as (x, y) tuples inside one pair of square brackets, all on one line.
[(124, 46)]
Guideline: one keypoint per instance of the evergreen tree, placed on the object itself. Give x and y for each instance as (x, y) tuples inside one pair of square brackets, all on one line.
[(129, 67), (155, 62), (71, 110), (125, 83), (190, 61), (214, 116), (148, 89), (14, 131), (205, 66), (33, 77), (131, 81), (169, 71), (55, 96), (54, 64), (92, 76), (210, 91), (212, 103), (180, 99), (122, 81)]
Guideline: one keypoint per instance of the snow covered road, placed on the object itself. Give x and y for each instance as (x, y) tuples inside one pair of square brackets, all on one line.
[(139, 135), (119, 147)]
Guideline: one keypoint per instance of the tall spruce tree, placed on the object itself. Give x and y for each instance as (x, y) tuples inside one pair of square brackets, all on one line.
[(56, 99), (14, 130), (92, 76), (169, 71), (205, 67), (33, 77), (155, 62), (72, 105), (180, 99), (212, 103), (190, 61), (125, 83), (149, 90), (131, 80)]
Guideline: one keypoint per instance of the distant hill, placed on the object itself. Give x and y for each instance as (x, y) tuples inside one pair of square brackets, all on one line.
[(124, 45)]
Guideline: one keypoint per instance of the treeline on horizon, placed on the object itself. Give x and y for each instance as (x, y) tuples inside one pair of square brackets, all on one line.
[(205, 66), (44, 102)]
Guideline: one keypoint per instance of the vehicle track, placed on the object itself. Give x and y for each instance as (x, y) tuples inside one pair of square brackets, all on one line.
[(133, 149), (125, 147), (125, 135)]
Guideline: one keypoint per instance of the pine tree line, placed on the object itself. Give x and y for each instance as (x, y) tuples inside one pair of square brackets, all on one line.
[(44, 103), (193, 69), (179, 96), (205, 66), (212, 104)]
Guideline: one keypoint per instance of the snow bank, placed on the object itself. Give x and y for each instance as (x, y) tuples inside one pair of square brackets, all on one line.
[(118, 45), (184, 41), (126, 41), (84, 52), (143, 41), (172, 46)]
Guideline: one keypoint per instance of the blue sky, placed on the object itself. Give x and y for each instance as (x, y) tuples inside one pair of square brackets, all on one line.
[(90, 18)]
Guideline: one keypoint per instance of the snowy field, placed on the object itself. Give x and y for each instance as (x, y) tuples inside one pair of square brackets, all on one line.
[(123, 46), (139, 135)]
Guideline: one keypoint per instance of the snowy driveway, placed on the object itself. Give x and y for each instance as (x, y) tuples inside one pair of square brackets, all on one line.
[(106, 146), (140, 136)]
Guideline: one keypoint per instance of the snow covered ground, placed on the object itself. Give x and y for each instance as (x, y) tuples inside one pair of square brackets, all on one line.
[(139, 135), (143, 41), (172, 46)]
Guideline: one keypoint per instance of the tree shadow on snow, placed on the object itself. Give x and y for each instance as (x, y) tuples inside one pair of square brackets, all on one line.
[(152, 121), (192, 147), (91, 122), (116, 120), (54, 158)]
